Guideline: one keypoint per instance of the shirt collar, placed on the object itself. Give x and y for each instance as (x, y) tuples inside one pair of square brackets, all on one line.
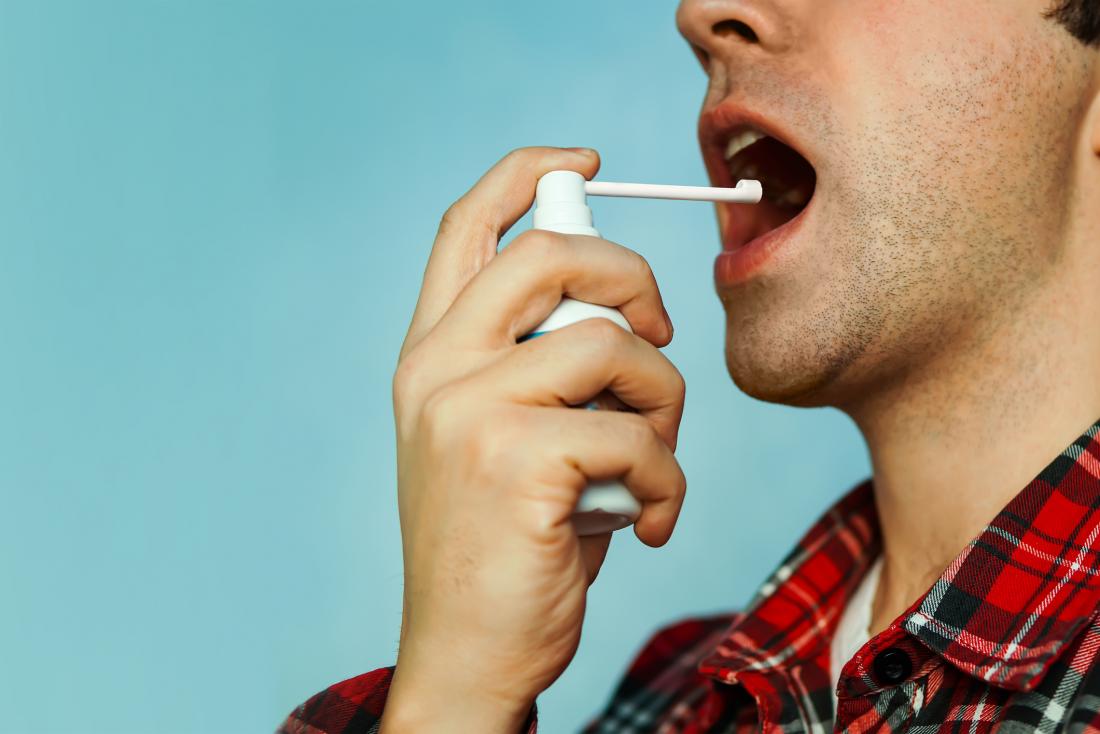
[(1003, 611)]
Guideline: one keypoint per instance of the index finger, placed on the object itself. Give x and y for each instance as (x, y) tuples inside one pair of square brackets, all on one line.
[(471, 229)]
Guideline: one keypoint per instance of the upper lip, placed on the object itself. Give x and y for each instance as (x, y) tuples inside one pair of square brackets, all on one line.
[(717, 124)]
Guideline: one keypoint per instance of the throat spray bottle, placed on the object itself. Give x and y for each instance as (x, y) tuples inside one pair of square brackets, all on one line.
[(561, 205)]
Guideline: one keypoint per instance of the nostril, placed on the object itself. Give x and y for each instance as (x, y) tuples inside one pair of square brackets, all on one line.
[(735, 27)]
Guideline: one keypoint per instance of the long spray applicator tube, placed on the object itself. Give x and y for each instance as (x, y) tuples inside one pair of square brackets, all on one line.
[(747, 191), (561, 206)]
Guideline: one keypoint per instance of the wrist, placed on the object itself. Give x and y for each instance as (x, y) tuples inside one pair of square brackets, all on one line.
[(416, 704)]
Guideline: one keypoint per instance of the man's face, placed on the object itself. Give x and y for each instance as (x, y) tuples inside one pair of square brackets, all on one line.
[(935, 140)]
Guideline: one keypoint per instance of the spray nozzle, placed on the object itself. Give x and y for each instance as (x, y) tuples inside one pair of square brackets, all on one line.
[(561, 196)]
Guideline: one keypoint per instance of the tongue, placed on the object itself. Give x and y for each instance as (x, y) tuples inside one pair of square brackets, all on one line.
[(749, 221)]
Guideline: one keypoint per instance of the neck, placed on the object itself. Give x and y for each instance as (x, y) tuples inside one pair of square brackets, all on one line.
[(951, 445)]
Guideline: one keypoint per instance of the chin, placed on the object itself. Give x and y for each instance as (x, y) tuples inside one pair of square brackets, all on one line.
[(767, 366)]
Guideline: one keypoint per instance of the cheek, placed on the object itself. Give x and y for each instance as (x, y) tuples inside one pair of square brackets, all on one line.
[(889, 58), (948, 95)]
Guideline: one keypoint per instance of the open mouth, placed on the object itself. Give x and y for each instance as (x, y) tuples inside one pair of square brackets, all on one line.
[(787, 177)]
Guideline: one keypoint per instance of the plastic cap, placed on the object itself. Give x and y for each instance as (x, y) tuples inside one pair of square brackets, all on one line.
[(560, 186), (561, 204)]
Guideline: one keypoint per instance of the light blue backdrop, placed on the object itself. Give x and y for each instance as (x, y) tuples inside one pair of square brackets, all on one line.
[(213, 221)]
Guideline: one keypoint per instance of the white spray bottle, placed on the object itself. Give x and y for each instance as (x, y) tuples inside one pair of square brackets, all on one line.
[(561, 205)]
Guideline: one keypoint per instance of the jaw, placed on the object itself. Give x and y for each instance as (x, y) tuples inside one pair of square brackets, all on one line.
[(767, 364)]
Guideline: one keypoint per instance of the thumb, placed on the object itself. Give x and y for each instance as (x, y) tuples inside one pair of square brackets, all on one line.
[(471, 229)]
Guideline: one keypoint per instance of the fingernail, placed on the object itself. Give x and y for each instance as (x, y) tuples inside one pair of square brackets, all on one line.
[(668, 323), (583, 151)]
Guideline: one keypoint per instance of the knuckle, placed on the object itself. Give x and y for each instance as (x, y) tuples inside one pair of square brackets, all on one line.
[(456, 214), (452, 214), (641, 267), (453, 426), (526, 157), (406, 376), (538, 245), (518, 156), (679, 385), (493, 457), (639, 430), (493, 441), (679, 485), (603, 337), (413, 373), (441, 415), (408, 385), (469, 215)]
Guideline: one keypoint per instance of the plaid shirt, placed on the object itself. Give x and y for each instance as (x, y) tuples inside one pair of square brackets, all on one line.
[(1007, 638)]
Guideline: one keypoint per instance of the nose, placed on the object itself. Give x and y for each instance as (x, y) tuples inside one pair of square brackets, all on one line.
[(719, 28)]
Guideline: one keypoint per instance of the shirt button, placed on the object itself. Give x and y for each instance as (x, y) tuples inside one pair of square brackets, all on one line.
[(892, 665)]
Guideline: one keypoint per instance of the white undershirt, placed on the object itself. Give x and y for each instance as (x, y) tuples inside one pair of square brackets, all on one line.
[(853, 629)]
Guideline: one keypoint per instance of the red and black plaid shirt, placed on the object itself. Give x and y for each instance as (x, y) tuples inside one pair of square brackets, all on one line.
[(1008, 637)]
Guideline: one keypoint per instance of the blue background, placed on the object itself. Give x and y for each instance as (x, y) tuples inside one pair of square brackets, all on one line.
[(213, 221)]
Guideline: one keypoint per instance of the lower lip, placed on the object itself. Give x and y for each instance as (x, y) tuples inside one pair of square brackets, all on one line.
[(739, 264)]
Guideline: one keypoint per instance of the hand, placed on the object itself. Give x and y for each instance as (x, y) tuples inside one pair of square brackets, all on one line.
[(491, 460)]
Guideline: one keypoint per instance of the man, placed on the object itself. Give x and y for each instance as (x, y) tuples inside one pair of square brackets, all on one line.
[(927, 260)]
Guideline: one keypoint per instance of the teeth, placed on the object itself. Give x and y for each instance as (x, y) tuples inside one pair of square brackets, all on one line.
[(742, 140)]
